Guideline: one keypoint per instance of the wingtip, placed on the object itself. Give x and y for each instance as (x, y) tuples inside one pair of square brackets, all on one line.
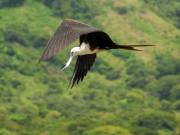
[(70, 86), (70, 20), (40, 59), (137, 49), (150, 45)]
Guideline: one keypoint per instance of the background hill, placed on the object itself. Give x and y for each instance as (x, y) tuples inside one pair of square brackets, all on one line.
[(126, 93)]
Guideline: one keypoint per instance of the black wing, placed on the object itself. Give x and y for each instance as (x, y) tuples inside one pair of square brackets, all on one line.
[(68, 32), (83, 64)]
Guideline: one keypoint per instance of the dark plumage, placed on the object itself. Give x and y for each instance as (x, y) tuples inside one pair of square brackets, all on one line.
[(83, 65), (92, 40), (69, 31)]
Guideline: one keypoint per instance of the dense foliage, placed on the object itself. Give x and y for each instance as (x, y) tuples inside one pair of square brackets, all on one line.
[(126, 93), (168, 9), (10, 3)]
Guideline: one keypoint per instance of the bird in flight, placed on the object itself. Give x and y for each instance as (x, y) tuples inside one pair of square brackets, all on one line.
[(92, 40)]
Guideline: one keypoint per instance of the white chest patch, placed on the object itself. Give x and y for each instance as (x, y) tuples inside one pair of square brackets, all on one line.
[(85, 49)]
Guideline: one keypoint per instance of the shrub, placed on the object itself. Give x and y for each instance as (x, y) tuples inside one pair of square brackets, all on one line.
[(4, 131), (176, 105), (102, 67), (121, 10), (167, 64), (78, 127), (168, 9), (162, 88), (39, 42), (145, 131), (71, 9), (108, 130), (175, 92), (122, 54), (15, 83), (14, 36), (156, 121), (11, 3), (139, 73), (30, 70)]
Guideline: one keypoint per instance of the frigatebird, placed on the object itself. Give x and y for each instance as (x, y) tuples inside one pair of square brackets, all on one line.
[(92, 40)]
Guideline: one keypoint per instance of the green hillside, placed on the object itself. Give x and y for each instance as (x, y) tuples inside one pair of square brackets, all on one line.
[(125, 93)]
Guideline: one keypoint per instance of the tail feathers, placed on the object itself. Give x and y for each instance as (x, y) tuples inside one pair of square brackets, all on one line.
[(131, 47)]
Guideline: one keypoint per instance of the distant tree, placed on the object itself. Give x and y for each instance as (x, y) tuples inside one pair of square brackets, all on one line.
[(162, 88), (61, 8), (108, 130), (145, 131), (156, 120), (135, 96), (175, 92), (121, 10), (102, 67), (167, 64), (11, 3), (168, 9), (166, 105), (14, 36), (28, 110), (138, 73), (3, 116), (39, 42), (77, 128), (6, 132), (176, 105), (71, 9)]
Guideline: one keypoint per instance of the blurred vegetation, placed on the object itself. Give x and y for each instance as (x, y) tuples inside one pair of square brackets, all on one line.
[(10, 3), (126, 93), (168, 9)]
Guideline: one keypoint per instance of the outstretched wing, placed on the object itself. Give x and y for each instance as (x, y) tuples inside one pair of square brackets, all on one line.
[(68, 31), (83, 64)]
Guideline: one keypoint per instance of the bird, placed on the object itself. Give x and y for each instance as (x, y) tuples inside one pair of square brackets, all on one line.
[(92, 40)]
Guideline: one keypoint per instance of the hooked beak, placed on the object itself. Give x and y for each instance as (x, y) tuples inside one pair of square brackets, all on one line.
[(68, 62)]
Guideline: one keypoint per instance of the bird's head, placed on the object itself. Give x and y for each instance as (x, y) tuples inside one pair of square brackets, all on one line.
[(74, 51)]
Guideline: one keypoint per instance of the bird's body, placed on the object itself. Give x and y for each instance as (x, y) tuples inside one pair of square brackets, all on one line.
[(84, 49), (92, 41)]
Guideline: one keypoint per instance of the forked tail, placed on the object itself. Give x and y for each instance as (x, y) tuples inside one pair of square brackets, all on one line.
[(130, 47)]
